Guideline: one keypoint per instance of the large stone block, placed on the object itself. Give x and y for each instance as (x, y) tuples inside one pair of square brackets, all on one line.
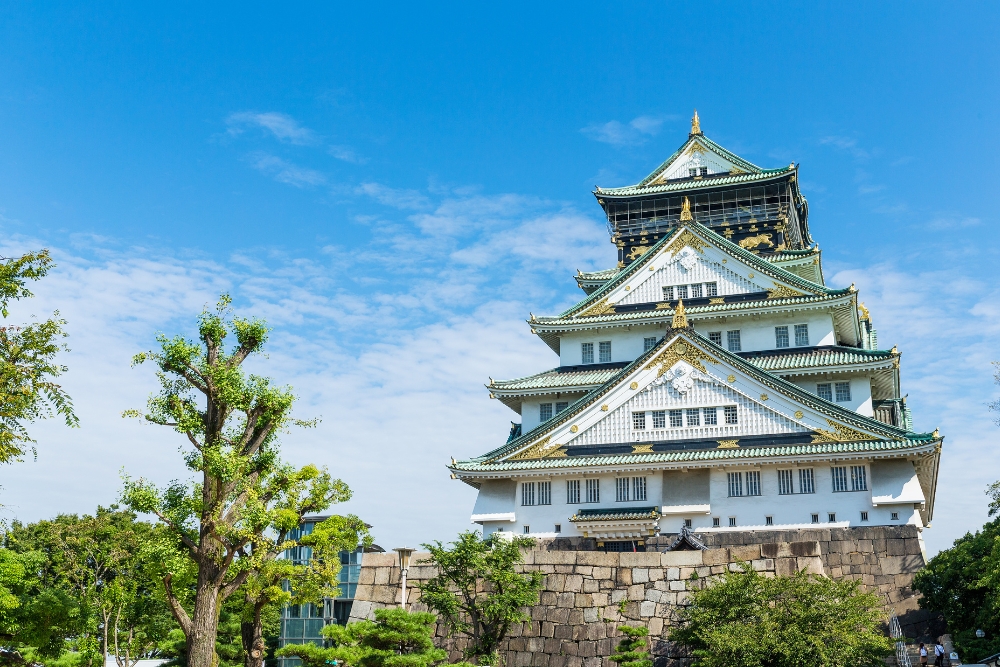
[(557, 558), (597, 558), (811, 564), (900, 564), (718, 556), (574, 583), (640, 559), (600, 572), (647, 608), (745, 553), (640, 575), (380, 560), (680, 558)]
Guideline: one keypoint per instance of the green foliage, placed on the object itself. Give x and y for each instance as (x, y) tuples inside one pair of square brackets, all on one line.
[(631, 651), (748, 620), (963, 584), (27, 361), (478, 591), (396, 638)]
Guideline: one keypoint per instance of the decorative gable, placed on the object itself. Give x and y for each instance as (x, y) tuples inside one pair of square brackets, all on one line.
[(699, 158)]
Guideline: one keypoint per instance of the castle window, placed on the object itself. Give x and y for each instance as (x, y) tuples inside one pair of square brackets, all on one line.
[(839, 478), (528, 493), (558, 528), (587, 353), (545, 493), (604, 350), (801, 335), (561, 406), (682, 291), (544, 412), (832, 517), (527, 529), (733, 341), (807, 480), (894, 516), (703, 171), (687, 523), (843, 391), (593, 490), (732, 522), (753, 483), (781, 336), (676, 418), (639, 421), (735, 484), (731, 417), (572, 491), (659, 419), (715, 522), (638, 488), (692, 172), (715, 337), (696, 291), (711, 289), (648, 343), (815, 518), (711, 416), (825, 391), (859, 478), (668, 293), (693, 417), (769, 521), (621, 490), (864, 516), (785, 483)]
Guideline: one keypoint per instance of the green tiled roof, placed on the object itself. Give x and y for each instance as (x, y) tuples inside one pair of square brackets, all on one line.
[(554, 379), (598, 275), (826, 356), (615, 514)]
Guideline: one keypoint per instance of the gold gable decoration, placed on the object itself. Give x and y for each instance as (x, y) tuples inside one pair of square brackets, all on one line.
[(686, 211), (686, 238), (680, 350), (695, 123), (680, 320), (539, 450), (602, 307), (840, 433), (642, 449), (782, 292)]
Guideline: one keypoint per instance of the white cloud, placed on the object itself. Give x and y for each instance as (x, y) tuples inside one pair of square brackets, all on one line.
[(620, 134), (284, 171), (345, 154), (396, 198), (282, 126)]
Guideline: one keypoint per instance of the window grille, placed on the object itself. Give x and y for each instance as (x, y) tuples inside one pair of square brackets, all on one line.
[(687, 523), (769, 521), (831, 517), (807, 480), (781, 336), (715, 337), (815, 518), (785, 483), (639, 421), (545, 412), (587, 353), (801, 335), (711, 416), (693, 417), (648, 343), (715, 522), (864, 516), (696, 291), (733, 341), (638, 488), (703, 171), (572, 491), (545, 493), (528, 493), (731, 417), (735, 484), (753, 483), (824, 390), (894, 516), (558, 528), (859, 478), (659, 419), (839, 478), (668, 293), (732, 522), (621, 490), (682, 291), (561, 406), (676, 418), (604, 350), (843, 391), (527, 530), (711, 289), (593, 490), (692, 172)]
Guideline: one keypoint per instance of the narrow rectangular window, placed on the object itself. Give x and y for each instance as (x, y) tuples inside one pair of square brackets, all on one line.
[(732, 522), (527, 530), (781, 336), (604, 350), (648, 343), (715, 522), (544, 412), (843, 391), (711, 289), (733, 341), (593, 490), (831, 517), (859, 478), (703, 171), (711, 416), (839, 478), (894, 516), (587, 353), (769, 521), (639, 488), (815, 518), (825, 390), (693, 417), (687, 523), (753, 483), (561, 406), (682, 291), (668, 293), (676, 418), (735, 484), (715, 337), (558, 528), (692, 172), (573, 491), (528, 493), (807, 480), (639, 421), (545, 493), (801, 335), (621, 490), (864, 516), (659, 419), (696, 291), (785, 483), (731, 417)]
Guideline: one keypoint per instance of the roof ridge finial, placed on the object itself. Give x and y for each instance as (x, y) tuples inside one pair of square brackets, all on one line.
[(695, 124), (686, 211), (680, 319)]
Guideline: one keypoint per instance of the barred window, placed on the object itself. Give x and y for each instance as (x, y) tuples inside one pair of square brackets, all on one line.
[(825, 390), (715, 337), (659, 419), (732, 522), (604, 350), (621, 490), (545, 412), (696, 291), (711, 416), (859, 478), (839, 478), (561, 406), (753, 483), (731, 417), (703, 171), (733, 341), (769, 521), (593, 490), (676, 418), (801, 335), (682, 291), (807, 480), (527, 530), (815, 518), (864, 516), (715, 522), (687, 523), (587, 353), (735, 484), (785, 483), (528, 493), (843, 391), (894, 516), (648, 343), (638, 488), (711, 289), (545, 493), (639, 421), (573, 491), (832, 517), (781, 336), (668, 293), (693, 417)]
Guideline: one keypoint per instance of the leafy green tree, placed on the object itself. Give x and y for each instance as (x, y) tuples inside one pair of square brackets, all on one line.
[(632, 649), (28, 368), (478, 590), (230, 420), (396, 638), (746, 619)]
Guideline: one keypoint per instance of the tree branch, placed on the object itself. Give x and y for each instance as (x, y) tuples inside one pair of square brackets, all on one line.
[(175, 607)]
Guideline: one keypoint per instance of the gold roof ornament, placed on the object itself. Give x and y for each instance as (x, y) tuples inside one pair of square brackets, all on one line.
[(686, 210), (894, 350), (695, 124), (936, 434), (680, 320)]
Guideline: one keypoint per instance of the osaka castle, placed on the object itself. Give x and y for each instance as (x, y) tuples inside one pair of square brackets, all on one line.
[(711, 381)]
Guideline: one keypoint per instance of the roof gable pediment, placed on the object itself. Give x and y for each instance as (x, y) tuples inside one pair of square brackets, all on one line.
[(702, 155)]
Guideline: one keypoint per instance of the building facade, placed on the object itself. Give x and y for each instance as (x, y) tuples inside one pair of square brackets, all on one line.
[(711, 380)]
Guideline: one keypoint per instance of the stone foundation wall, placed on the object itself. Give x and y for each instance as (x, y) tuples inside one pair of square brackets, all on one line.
[(588, 593)]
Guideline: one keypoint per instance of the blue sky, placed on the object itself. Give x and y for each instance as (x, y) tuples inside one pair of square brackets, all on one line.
[(396, 188)]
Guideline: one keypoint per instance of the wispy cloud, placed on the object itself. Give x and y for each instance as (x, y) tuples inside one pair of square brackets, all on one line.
[(345, 154), (282, 126), (636, 131), (953, 222), (286, 172), (394, 197), (847, 144)]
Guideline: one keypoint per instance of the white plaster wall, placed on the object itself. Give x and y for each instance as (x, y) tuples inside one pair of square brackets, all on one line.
[(530, 413), (626, 343), (495, 496), (758, 333), (861, 390), (647, 289)]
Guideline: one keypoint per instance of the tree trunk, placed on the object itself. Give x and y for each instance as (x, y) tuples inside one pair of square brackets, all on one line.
[(253, 639), (205, 621)]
